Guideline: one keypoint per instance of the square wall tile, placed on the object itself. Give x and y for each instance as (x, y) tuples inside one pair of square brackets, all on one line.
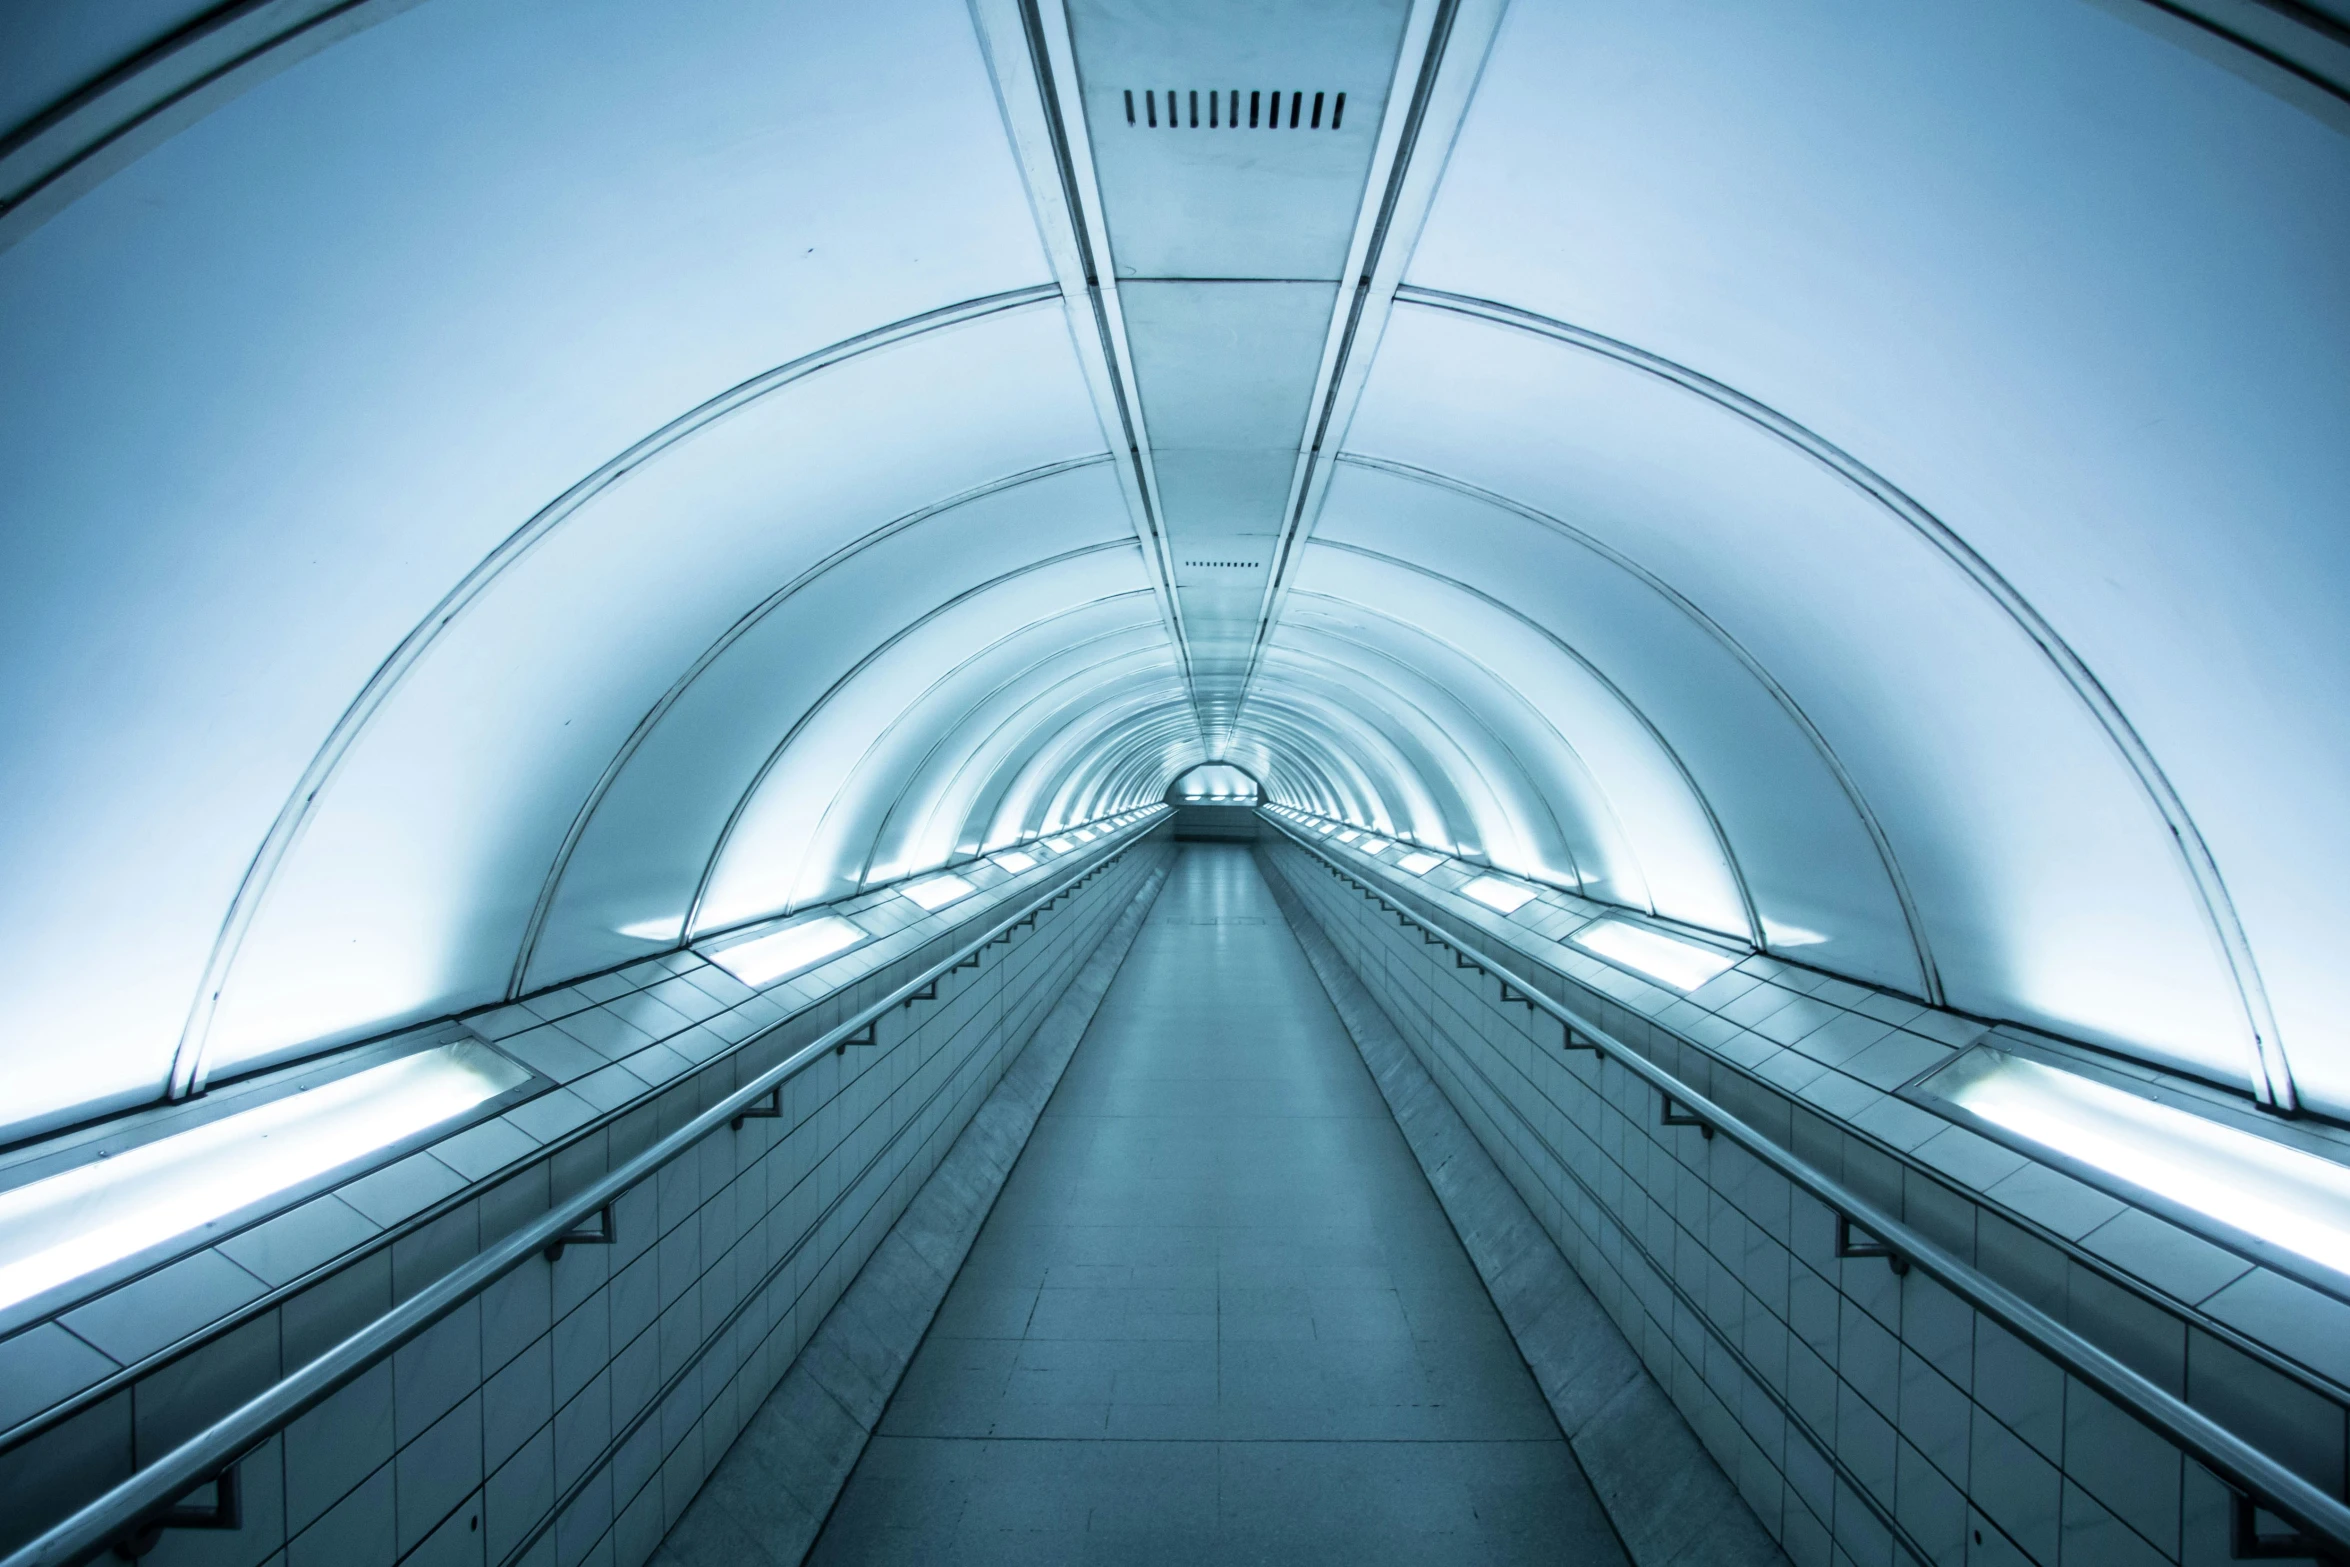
[(361, 1530), (147, 1314), (2015, 1487), (43, 1366)]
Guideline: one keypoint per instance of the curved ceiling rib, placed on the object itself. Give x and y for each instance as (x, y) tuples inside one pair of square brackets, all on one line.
[(912, 713), (842, 683), (1006, 804), (1463, 797), (2271, 1074), (1374, 463), (1576, 769), (1697, 794), (1400, 801), (710, 655), (1037, 714), (1913, 921), (1526, 774), (187, 1069), (1095, 672)]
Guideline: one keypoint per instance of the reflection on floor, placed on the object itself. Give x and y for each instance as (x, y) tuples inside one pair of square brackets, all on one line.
[(1217, 1314)]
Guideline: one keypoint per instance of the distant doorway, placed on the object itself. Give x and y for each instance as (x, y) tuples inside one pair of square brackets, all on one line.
[(1214, 783), (1215, 802)]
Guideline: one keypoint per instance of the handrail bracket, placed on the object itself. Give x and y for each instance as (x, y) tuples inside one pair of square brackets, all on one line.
[(606, 1233)]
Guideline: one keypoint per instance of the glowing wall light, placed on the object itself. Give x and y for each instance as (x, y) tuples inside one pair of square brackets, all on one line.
[(1684, 965), (55, 1230), (1500, 896), (1059, 845), (1421, 862), (1016, 862), (1374, 846), (655, 930), (1348, 836), (2292, 1199), (763, 960), (939, 891)]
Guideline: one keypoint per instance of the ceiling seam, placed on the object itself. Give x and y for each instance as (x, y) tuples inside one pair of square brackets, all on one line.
[(693, 912), (1729, 853), (2270, 1071), (189, 1062), (550, 884), (1106, 333), (1914, 918)]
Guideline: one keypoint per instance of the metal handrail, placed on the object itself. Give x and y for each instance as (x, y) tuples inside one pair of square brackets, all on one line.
[(2321, 1517), (211, 1452)]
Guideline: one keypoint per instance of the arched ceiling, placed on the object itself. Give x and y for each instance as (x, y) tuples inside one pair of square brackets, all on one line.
[(498, 488)]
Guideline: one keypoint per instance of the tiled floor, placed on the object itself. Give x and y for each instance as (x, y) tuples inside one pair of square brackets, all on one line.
[(1217, 1315)]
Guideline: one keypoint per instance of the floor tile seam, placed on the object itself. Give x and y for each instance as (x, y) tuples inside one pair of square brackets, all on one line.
[(1130, 917), (1240, 1441), (1333, 970), (1214, 1117), (1331, 973)]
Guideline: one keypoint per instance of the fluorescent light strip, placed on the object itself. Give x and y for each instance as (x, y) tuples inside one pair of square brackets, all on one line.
[(1016, 862), (763, 960), (1348, 836), (55, 1230), (1684, 965), (2291, 1199), (1059, 845), (1374, 846), (939, 891), (1501, 896), (1421, 863)]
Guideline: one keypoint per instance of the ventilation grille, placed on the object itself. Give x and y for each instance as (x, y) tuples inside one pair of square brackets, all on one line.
[(1223, 109), (1226, 565)]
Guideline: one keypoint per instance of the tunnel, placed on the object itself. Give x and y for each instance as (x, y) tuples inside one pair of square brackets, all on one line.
[(1207, 781)]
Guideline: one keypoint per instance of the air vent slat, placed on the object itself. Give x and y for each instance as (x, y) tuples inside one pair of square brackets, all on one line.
[(1265, 109)]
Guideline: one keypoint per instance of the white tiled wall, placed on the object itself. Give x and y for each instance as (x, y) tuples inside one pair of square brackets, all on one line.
[(1868, 1419), (567, 1414)]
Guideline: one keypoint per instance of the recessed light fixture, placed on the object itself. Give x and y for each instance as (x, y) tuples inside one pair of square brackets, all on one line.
[(2292, 1199), (1501, 896), (1374, 846), (663, 930), (763, 960), (1421, 863), (1016, 862), (1059, 845), (938, 891), (1684, 965), (55, 1230)]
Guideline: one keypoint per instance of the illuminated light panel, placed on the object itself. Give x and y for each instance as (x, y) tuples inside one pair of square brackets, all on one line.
[(1684, 965), (2294, 1200), (763, 960), (1374, 846), (939, 891), (655, 930), (1500, 896), (1327, 828), (1016, 862), (1779, 935), (1348, 836), (1422, 863), (1059, 845), (55, 1230)]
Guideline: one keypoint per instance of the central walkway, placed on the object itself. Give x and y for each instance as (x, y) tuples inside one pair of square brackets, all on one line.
[(1217, 1314)]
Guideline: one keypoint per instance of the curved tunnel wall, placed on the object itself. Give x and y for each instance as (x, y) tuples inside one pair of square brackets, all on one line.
[(525, 485)]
